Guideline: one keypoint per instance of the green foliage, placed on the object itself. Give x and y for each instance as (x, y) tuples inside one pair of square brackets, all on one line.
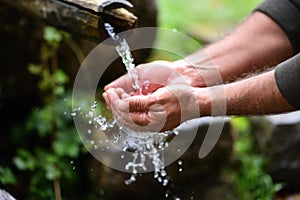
[(206, 19), (251, 181), (7, 176), (51, 141)]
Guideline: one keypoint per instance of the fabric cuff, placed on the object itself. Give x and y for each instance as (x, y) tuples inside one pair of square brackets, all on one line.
[(287, 76), (286, 13)]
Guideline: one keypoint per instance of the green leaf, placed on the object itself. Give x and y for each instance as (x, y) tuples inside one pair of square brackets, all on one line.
[(35, 68), (52, 172), (52, 35), (40, 120), (7, 176), (25, 160), (61, 77), (241, 124), (67, 144), (20, 163), (59, 90)]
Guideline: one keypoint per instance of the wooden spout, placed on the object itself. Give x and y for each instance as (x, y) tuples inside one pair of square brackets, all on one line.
[(79, 16), (112, 11)]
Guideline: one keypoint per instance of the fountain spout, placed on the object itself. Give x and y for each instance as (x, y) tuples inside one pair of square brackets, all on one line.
[(114, 12), (81, 17)]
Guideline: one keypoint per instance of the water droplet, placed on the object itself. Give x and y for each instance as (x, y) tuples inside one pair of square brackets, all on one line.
[(179, 162), (73, 114), (163, 173), (130, 180), (180, 169), (71, 162), (165, 182), (122, 156), (159, 179), (73, 167), (167, 194), (93, 107), (178, 150), (89, 131)]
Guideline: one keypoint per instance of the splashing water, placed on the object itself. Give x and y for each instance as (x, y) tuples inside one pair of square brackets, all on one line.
[(143, 146)]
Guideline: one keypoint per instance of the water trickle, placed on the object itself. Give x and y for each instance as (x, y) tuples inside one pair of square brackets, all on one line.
[(124, 52)]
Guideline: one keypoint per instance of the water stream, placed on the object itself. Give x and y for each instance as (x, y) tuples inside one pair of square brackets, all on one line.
[(124, 52), (144, 147), (149, 146)]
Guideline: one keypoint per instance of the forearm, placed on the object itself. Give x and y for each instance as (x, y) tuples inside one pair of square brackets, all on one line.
[(257, 95), (252, 96), (257, 43)]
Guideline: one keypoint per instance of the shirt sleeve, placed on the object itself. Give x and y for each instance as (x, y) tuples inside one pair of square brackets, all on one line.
[(286, 13), (287, 76)]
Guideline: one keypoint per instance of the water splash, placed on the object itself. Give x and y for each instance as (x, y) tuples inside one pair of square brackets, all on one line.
[(144, 147)]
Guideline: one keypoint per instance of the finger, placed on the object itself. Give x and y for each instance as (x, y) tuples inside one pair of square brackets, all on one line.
[(140, 103), (121, 93), (106, 98), (140, 119), (124, 82), (147, 121)]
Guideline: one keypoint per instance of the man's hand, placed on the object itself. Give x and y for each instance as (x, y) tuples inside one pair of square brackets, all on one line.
[(162, 110), (160, 74)]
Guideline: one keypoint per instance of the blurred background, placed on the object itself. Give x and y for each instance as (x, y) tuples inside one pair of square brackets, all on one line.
[(42, 156)]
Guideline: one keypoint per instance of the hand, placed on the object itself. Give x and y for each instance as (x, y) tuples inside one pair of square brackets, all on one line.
[(159, 74), (162, 110)]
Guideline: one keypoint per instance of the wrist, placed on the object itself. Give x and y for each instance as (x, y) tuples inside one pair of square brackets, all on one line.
[(204, 100), (197, 75)]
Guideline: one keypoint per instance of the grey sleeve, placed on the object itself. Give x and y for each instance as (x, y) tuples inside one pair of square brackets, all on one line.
[(286, 13), (287, 75)]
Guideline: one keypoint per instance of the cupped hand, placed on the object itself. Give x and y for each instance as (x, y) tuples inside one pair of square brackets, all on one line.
[(162, 110), (160, 74)]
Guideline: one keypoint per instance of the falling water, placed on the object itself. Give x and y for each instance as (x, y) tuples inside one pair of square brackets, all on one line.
[(123, 50), (149, 145), (142, 145)]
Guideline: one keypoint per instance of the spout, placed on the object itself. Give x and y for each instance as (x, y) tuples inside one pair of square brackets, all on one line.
[(111, 11), (80, 17)]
